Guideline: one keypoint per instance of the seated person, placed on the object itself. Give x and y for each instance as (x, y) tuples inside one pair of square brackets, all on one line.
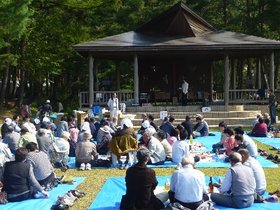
[(188, 125), (146, 124), (180, 148), (59, 154), (168, 126), (219, 145), (123, 142), (246, 142), (140, 184), (103, 144), (18, 179), (238, 187), (260, 129), (257, 170), (173, 137), (187, 185), (152, 122), (5, 156), (266, 119), (161, 136), (229, 143), (85, 153), (201, 128), (156, 149), (42, 167), (11, 139), (26, 137)]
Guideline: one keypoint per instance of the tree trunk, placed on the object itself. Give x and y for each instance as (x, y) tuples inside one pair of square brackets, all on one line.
[(5, 81), (225, 7)]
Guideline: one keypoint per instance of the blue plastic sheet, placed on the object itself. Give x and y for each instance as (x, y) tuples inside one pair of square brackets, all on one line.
[(274, 142), (43, 203), (111, 193)]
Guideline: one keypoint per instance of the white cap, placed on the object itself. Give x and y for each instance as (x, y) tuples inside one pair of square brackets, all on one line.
[(146, 124), (36, 121), (127, 122), (45, 119), (8, 121)]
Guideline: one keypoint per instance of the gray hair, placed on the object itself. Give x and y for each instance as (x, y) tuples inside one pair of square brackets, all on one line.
[(149, 132), (143, 155), (235, 157), (187, 160)]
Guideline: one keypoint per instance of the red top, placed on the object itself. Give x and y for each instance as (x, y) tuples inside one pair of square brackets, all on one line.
[(229, 144), (260, 128)]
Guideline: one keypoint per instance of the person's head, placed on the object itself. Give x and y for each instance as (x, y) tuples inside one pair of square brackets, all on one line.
[(183, 135), (234, 158), (23, 130), (126, 123), (31, 146), (8, 121), (87, 136), (65, 135), (238, 139), (265, 116), (92, 119), (160, 135), (259, 115), (20, 155), (222, 126), (198, 119), (147, 135), (146, 124), (180, 128), (171, 119), (174, 132), (144, 116), (187, 118), (26, 119), (244, 154), (63, 118), (261, 120), (143, 155), (16, 117), (187, 160), (239, 130), (151, 118), (228, 132), (114, 95)]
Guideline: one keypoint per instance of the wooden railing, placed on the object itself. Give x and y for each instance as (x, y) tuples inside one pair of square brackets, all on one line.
[(102, 97)]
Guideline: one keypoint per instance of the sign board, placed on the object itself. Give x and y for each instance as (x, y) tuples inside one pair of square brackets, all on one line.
[(206, 109), (163, 114)]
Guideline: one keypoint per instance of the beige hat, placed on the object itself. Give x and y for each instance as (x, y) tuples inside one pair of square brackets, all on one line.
[(104, 129), (87, 136)]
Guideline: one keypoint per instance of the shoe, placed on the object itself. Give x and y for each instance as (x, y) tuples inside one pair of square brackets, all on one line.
[(77, 193), (270, 157), (264, 153), (88, 166), (82, 167)]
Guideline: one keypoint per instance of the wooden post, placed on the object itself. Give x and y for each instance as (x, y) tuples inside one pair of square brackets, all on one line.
[(271, 72), (259, 73), (118, 75), (226, 85), (136, 81), (211, 82), (91, 81), (233, 71)]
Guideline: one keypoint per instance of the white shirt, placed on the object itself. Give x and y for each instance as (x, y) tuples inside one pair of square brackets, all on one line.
[(185, 87), (250, 145), (156, 149), (188, 184), (167, 147), (258, 173), (179, 150)]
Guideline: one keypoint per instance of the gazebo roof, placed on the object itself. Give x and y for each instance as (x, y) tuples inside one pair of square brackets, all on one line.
[(178, 29)]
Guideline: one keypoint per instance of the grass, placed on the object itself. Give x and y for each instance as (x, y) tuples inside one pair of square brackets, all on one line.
[(97, 177)]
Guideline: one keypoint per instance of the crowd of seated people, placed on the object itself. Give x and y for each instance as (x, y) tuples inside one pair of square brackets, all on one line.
[(51, 145)]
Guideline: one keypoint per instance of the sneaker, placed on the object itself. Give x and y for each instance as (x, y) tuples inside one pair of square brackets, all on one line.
[(88, 166), (82, 167)]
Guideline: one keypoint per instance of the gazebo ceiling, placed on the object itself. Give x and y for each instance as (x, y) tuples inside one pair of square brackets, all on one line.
[(178, 31)]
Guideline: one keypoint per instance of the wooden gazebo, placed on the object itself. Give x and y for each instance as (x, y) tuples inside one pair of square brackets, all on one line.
[(178, 44)]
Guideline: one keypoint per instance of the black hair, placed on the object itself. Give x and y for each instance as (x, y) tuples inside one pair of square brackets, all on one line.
[(222, 124), (239, 130), (21, 154), (239, 137), (161, 134), (31, 146), (150, 117), (187, 118), (183, 135), (261, 120), (171, 119), (228, 131), (174, 132)]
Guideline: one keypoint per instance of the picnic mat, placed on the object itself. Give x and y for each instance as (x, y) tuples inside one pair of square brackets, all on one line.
[(43, 203), (111, 193), (208, 141), (274, 142)]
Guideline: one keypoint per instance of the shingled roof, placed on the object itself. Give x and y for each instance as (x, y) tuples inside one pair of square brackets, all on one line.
[(178, 29)]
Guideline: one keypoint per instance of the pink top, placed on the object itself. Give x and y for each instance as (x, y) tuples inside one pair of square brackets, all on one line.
[(260, 128), (171, 140), (229, 144)]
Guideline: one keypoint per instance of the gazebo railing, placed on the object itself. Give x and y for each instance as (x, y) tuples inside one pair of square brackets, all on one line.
[(102, 97)]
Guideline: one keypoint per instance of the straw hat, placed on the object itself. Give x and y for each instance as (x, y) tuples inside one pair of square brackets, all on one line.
[(87, 136)]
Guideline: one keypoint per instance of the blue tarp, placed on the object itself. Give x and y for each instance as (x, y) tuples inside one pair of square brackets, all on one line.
[(43, 203), (207, 141), (110, 195), (274, 142)]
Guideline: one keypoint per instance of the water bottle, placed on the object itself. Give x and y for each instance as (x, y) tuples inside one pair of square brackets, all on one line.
[(167, 185)]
